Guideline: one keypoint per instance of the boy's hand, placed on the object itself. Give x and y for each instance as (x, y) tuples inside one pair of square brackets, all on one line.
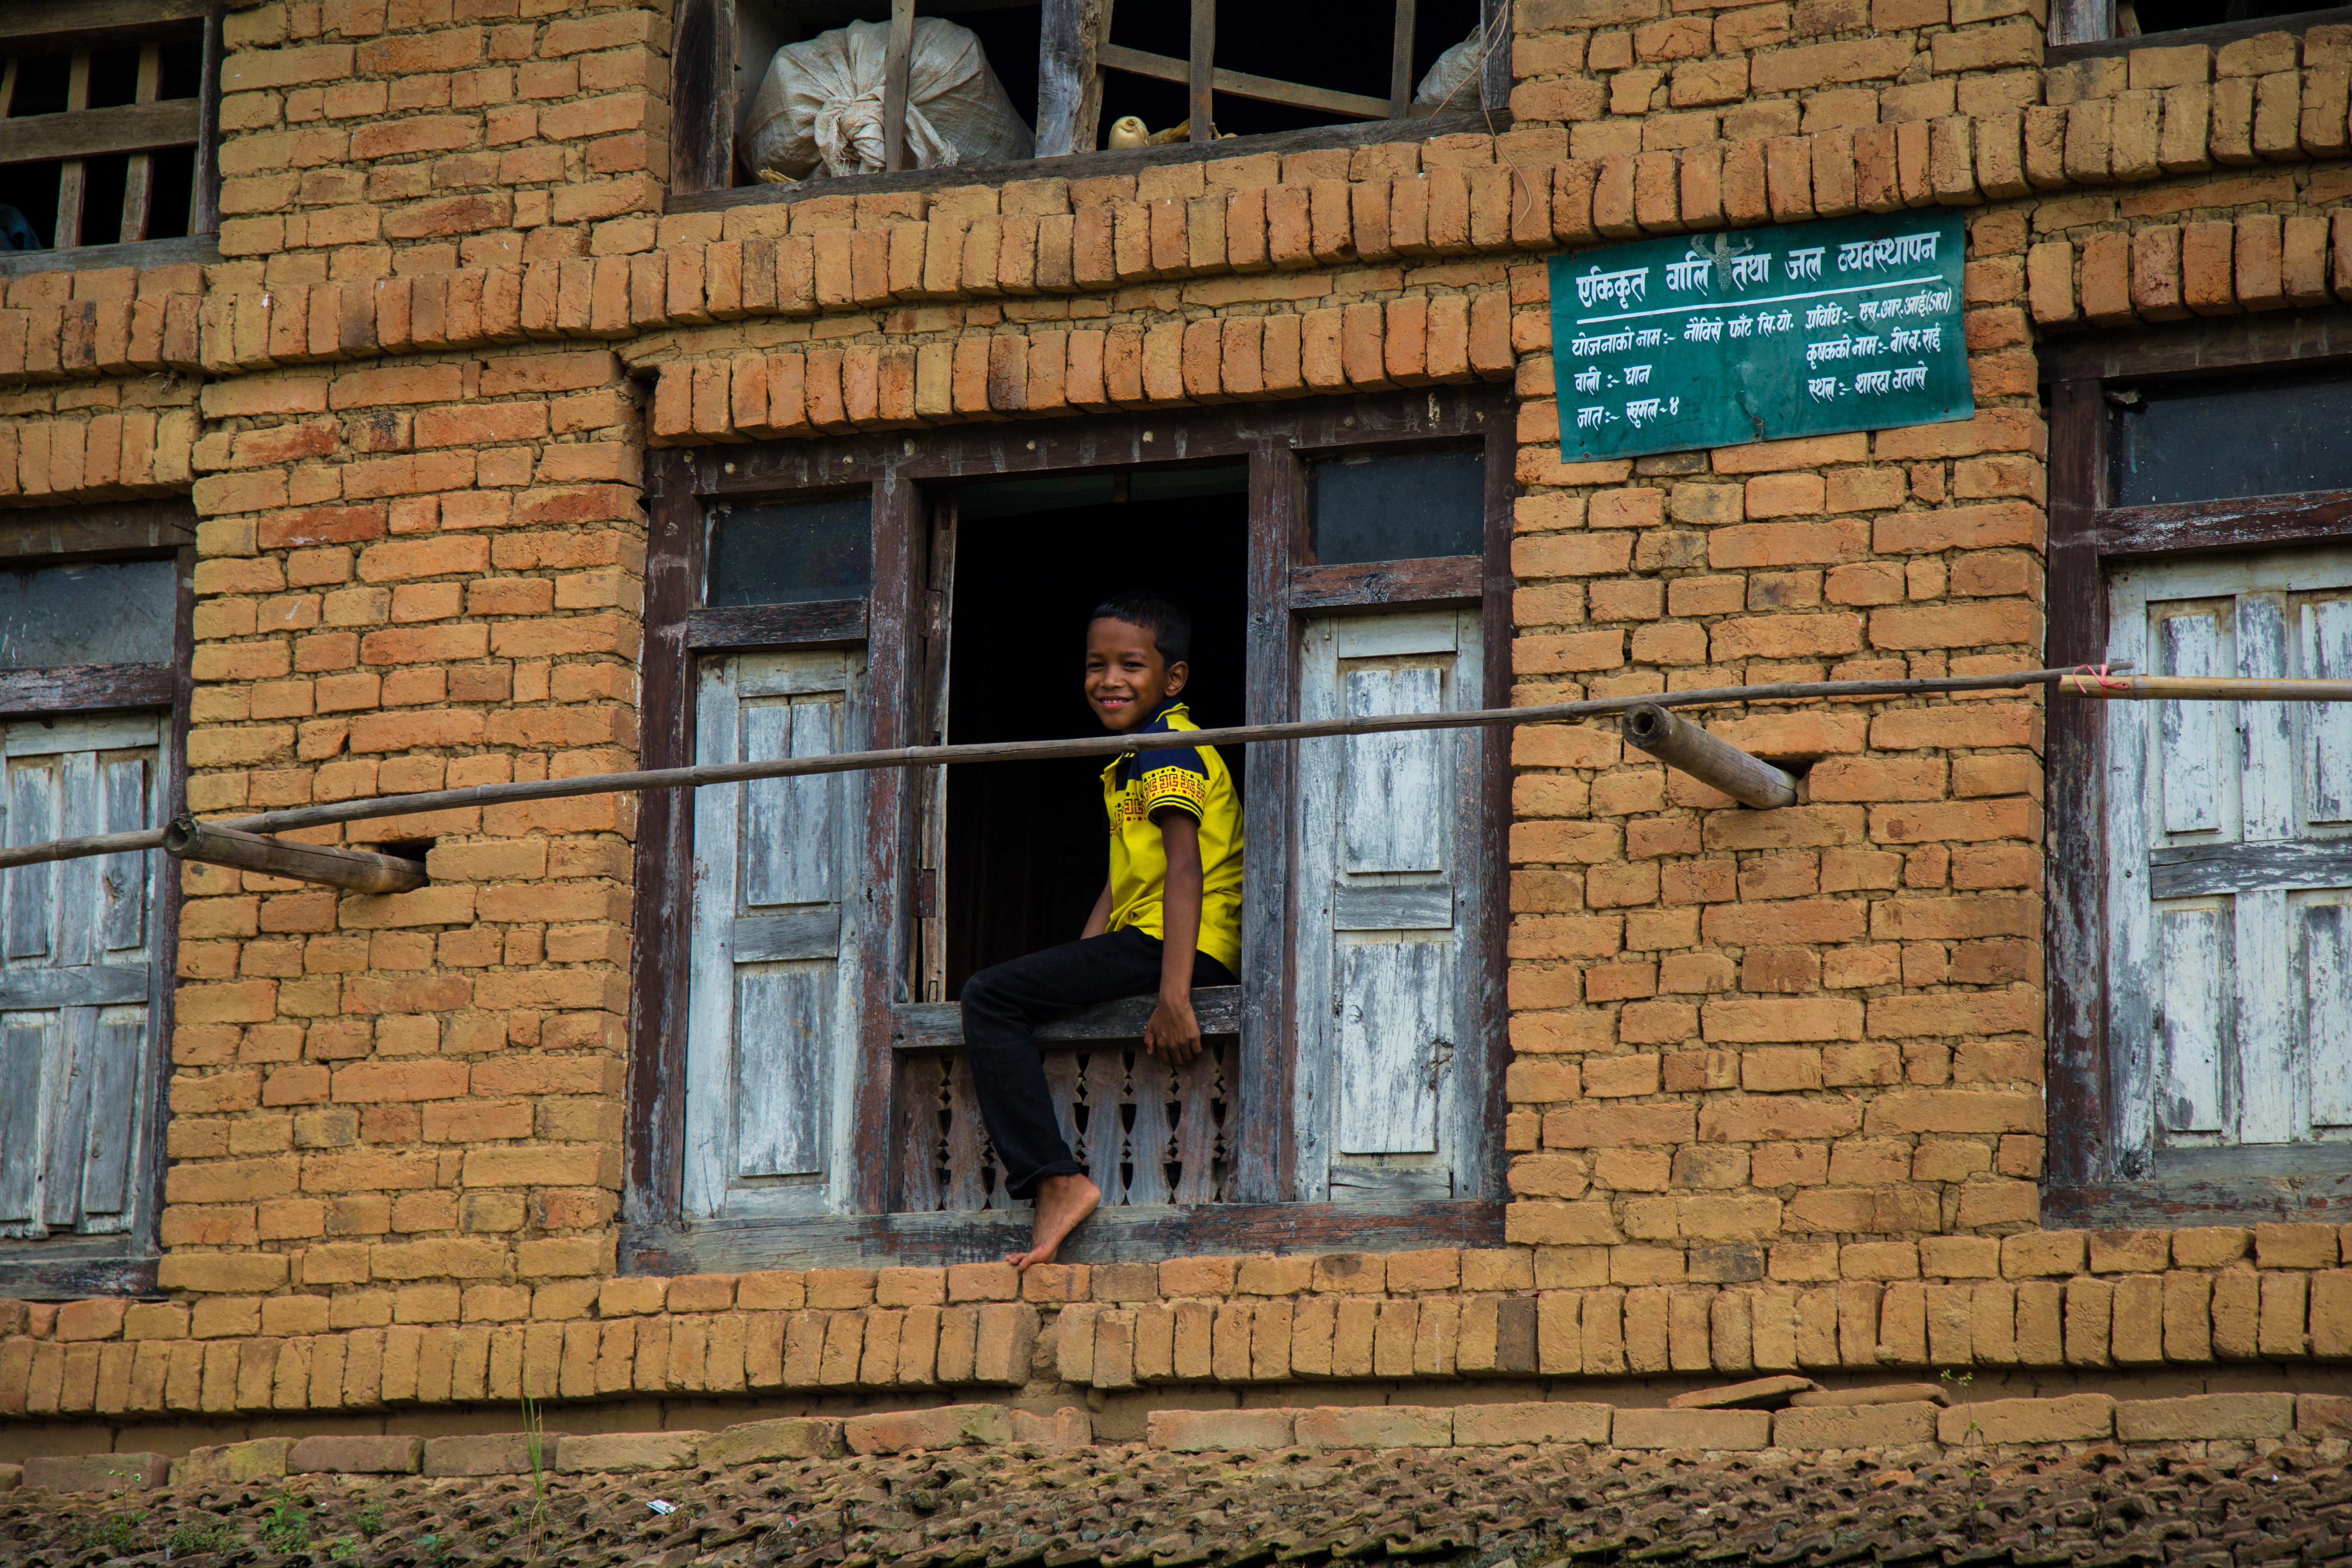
[(1173, 1032)]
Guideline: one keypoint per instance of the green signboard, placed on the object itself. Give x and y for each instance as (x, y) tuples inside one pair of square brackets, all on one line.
[(1713, 340)]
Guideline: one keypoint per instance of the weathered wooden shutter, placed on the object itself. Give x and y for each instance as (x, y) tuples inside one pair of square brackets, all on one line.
[(771, 1006), (1386, 997), (76, 975), (2231, 856)]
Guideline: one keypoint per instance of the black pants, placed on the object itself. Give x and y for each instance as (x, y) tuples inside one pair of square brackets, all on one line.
[(1002, 1008)]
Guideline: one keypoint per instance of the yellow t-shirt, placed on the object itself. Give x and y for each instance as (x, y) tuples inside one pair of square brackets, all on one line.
[(1183, 778)]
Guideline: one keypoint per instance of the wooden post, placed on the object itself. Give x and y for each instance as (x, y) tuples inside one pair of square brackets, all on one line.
[(1719, 764), (1401, 62), (1069, 83), (139, 179), (1202, 62), (204, 191), (358, 869), (1494, 53), (896, 63), (73, 176)]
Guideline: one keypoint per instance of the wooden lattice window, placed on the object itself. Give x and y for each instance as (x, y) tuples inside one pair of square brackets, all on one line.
[(1086, 64), (109, 108)]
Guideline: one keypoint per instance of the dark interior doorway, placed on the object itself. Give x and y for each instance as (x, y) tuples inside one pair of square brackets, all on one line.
[(1026, 842)]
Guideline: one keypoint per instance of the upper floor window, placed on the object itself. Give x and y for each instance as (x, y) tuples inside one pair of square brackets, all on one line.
[(2113, 27), (871, 87), (805, 940), (109, 119), (92, 728), (2199, 528)]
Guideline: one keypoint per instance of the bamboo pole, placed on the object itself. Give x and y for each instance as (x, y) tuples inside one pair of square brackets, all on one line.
[(361, 870), (1021, 750), (2204, 688), (1710, 759)]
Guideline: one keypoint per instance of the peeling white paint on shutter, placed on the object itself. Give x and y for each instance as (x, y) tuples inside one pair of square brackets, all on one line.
[(76, 976), (2229, 858), (771, 1010), (1384, 1001)]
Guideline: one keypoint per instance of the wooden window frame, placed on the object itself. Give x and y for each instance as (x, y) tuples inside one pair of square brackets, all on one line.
[(63, 1267), (1286, 588), (1068, 68), (2085, 29), (89, 25), (2086, 1181)]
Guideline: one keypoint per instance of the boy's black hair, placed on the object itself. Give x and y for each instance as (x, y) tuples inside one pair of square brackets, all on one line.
[(1171, 628)]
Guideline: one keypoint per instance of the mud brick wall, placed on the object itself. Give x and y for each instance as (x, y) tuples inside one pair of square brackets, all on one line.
[(1777, 1095)]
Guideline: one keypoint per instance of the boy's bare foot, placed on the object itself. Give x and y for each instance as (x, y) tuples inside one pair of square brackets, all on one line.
[(1062, 1203)]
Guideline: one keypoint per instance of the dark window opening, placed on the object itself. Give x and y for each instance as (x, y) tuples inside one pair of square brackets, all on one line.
[(1329, 62), (112, 612), (1399, 506), (2135, 17), (792, 552), (108, 164), (2227, 437), (1339, 45), (1026, 852)]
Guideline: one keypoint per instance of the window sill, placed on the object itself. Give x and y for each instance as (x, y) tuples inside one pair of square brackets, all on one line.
[(2301, 1186), (938, 1026), (2213, 36), (200, 250), (1097, 165), (71, 1268), (1112, 1236)]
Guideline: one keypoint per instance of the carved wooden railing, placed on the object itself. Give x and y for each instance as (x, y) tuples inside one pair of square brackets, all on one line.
[(1147, 1132)]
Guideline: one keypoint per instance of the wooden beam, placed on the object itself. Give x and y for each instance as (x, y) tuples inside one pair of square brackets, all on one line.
[(1200, 99), (825, 623), (1709, 759), (82, 23), (84, 689), (358, 869), (1113, 1235), (897, 61), (96, 528), (1264, 89), (938, 1026), (1370, 132), (95, 133), (1400, 61), (1376, 584)]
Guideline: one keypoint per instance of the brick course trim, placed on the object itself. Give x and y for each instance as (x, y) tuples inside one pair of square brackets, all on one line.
[(2051, 1299)]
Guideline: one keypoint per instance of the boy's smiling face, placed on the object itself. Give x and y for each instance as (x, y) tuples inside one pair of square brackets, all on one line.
[(1126, 680)]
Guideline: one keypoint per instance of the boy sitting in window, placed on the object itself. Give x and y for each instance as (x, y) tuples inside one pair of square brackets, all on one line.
[(1168, 916)]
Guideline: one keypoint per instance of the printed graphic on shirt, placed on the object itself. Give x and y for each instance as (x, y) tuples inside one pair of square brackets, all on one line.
[(1193, 780)]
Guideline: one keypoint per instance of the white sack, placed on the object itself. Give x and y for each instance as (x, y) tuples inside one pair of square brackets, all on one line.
[(819, 110), (1452, 83)]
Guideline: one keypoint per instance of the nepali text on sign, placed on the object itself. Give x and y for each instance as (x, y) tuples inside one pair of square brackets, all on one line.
[(1716, 340)]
